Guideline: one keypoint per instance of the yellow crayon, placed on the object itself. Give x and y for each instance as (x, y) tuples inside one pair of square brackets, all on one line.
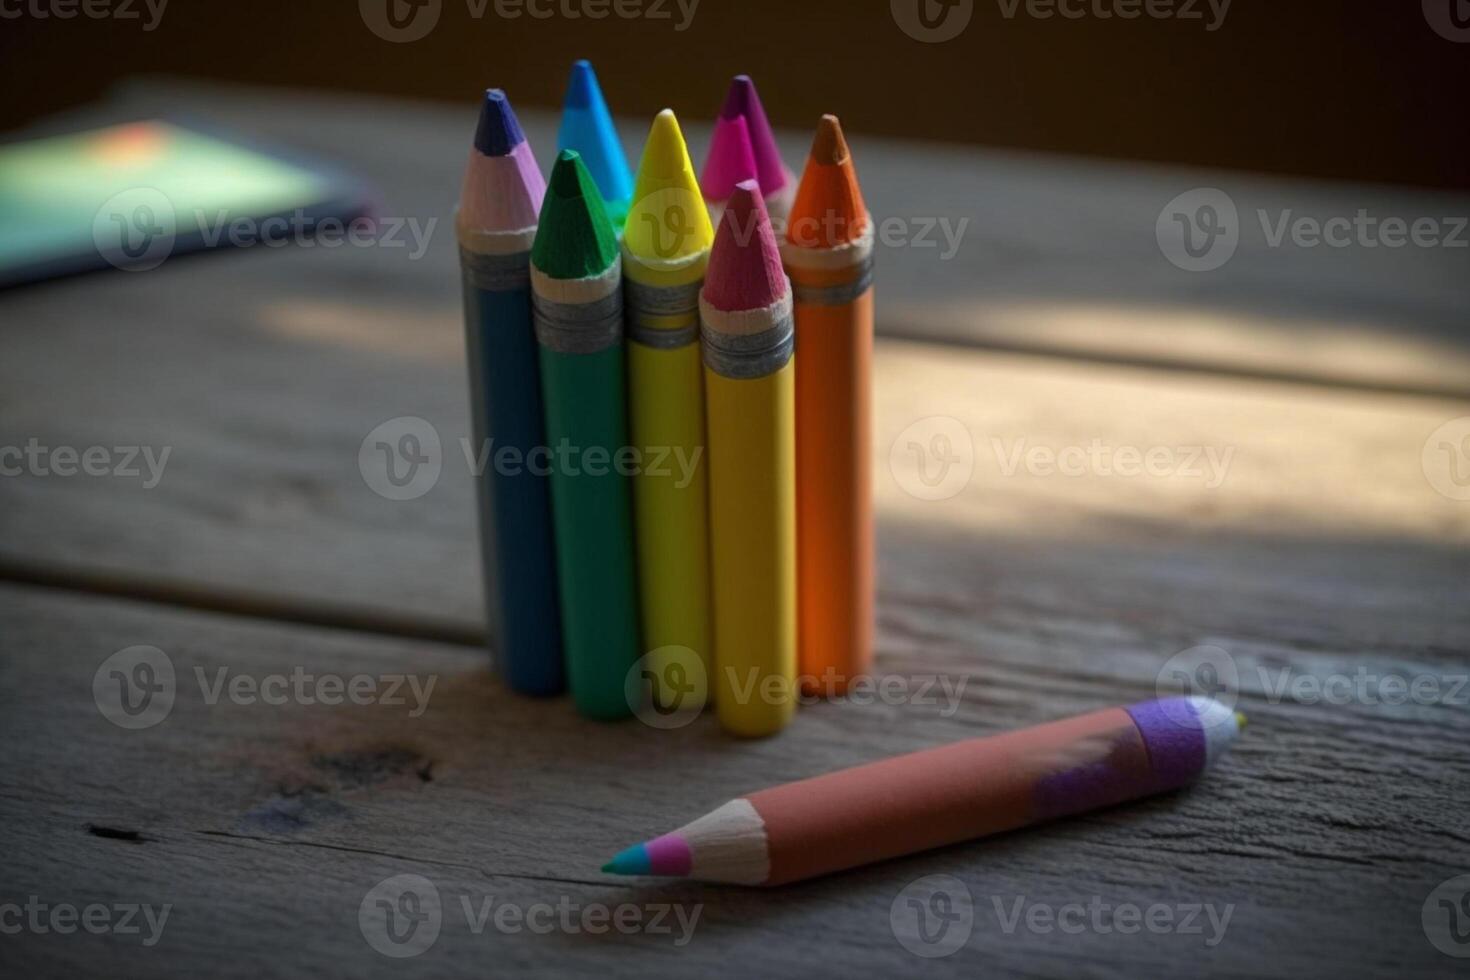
[(666, 246), (747, 346)]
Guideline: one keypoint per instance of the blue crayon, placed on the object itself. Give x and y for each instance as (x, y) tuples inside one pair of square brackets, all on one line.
[(587, 127), (496, 225)]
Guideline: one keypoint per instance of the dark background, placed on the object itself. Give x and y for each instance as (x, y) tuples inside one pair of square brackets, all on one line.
[(1362, 90)]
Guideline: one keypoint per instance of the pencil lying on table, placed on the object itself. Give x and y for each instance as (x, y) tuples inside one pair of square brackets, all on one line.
[(944, 795)]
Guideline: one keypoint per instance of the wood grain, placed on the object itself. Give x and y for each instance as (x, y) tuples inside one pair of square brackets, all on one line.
[(1317, 551), (265, 826), (1011, 250)]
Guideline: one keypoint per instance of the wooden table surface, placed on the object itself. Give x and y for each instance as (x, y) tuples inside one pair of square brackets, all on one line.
[(1317, 566)]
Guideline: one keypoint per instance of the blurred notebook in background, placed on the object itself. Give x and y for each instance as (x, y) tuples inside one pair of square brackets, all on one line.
[(131, 196)]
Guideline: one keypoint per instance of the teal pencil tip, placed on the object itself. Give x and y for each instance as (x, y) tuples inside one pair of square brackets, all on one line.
[(633, 861), (583, 90)]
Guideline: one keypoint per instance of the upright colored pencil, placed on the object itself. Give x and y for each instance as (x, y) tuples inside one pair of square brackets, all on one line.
[(829, 256), (777, 183), (576, 283), (665, 251), (496, 224), (746, 330), (731, 160), (943, 795), (587, 127)]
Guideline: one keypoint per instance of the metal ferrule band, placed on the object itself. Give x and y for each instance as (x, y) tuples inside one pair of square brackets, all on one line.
[(496, 273)]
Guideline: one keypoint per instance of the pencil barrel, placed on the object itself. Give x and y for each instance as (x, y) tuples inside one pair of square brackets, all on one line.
[(752, 452), (955, 793), (834, 479), (671, 500), (513, 499), (587, 447)]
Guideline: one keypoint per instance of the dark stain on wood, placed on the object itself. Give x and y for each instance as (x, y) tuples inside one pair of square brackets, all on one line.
[(113, 833), (356, 768)]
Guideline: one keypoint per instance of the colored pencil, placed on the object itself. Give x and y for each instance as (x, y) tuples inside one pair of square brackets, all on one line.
[(777, 183), (577, 300), (587, 127), (746, 334), (731, 160), (495, 224), (665, 250), (944, 795), (828, 253)]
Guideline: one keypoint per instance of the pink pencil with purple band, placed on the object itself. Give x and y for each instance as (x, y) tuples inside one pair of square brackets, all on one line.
[(945, 795)]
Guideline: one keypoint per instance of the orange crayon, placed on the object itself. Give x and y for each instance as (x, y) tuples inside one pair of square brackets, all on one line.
[(828, 254)]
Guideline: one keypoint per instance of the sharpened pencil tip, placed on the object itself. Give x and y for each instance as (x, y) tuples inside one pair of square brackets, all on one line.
[(564, 177), (830, 146), (583, 89), (632, 861), (737, 97), (498, 131)]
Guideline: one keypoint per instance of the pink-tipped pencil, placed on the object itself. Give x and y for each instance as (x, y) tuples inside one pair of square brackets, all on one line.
[(943, 795)]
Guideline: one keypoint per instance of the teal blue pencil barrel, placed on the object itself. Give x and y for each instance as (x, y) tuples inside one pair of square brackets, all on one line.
[(587, 127), (576, 282), (496, 225)]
